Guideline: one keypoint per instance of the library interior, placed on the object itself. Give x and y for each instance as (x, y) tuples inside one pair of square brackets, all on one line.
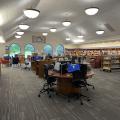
[(59, 60)]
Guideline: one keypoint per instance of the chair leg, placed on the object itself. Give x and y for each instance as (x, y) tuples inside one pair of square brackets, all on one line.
[(84, 96), (91, 85), (46, 88)]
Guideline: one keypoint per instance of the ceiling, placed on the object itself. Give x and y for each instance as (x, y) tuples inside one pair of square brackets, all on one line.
[(53, 12)]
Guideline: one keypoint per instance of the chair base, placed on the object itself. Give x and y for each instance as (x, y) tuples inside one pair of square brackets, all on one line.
[(46, 88), (90, 85)]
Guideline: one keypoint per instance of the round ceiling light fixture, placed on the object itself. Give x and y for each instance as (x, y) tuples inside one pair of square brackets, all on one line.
[(66, 23), (31, 13), (24, 27), (68, 39), (80, 36), (53, 30), (17, 36), (91, 11), (20, 33), (100, 32), (44, 34)]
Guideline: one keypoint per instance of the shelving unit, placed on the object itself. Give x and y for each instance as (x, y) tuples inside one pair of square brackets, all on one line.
[(110, 63)]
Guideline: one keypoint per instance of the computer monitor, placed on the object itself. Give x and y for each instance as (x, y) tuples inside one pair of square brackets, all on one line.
[(57, 66), (37, 58), (73, 67)]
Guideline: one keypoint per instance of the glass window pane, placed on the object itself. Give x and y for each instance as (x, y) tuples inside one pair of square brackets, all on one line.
[(29, 49), (14, 49), (60, 49), (48, 49)]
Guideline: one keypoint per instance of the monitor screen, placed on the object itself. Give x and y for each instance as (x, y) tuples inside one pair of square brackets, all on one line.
[(73, 67), (37, 58)]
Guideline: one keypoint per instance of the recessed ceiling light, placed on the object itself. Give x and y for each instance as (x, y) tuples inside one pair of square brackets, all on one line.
[(80, 36), (68, 39), (2, 39), (66, 23), (24, 27), (78, 41), (91, 11), (31, 13), (20, 33), (100, 32), (53, 30), (17, 36), (44, 34)]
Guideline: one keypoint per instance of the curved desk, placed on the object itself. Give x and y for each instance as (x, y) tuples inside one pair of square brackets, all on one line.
[(64, 82)]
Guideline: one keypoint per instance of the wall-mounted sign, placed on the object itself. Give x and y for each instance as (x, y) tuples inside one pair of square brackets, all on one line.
[(36, 39)]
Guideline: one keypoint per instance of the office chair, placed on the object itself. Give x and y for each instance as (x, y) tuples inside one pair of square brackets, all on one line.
[(83, 70), (50, 81), (78, 82)]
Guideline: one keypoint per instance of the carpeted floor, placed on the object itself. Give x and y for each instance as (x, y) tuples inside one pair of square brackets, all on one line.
[(19, 101)]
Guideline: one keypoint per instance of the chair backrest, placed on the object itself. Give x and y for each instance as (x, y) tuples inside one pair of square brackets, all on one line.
[(51, 67), (80, 74), (83, 71), (46, 68)]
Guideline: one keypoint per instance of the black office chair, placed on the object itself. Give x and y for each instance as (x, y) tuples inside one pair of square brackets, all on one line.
[(50, 81), (78, 82), (83, 70)]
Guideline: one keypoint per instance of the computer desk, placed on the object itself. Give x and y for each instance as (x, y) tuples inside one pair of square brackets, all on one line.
[(64, 82)]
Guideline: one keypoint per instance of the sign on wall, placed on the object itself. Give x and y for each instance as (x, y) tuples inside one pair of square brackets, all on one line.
[(37, 39)]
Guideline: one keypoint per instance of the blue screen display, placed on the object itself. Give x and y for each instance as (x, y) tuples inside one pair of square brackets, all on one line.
[(35, 58), (73, 67)]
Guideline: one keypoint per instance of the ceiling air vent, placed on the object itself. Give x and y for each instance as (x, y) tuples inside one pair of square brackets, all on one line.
[(109, 27)]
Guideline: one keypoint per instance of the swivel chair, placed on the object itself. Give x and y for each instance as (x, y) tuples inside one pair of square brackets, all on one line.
[(50, 82), (83, 70), (78, 82)]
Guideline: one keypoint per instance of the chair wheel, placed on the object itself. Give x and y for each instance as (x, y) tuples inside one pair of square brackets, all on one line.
[(93, 87), (49, 96), (88, 99), (68, 101), (39, 95), (81, 103)]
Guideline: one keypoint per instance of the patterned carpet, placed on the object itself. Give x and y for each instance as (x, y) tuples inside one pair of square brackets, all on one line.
[(19, 101)]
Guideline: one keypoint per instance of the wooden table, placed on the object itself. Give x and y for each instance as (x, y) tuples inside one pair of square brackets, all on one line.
[(64, 82)]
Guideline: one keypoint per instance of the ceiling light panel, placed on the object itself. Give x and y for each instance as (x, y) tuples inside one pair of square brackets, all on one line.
[(80, 36), (2, 39), (67, 39), (78, 41), (91, 11), (20, 33), (44, 34), (53, 30), (100, 32), (66, 23), (17, 36), (31, 13), (24, 27)]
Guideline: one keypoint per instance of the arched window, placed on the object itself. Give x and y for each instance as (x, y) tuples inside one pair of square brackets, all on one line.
[(60, 49), (29, 49), (48, 49), (14, 49)]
